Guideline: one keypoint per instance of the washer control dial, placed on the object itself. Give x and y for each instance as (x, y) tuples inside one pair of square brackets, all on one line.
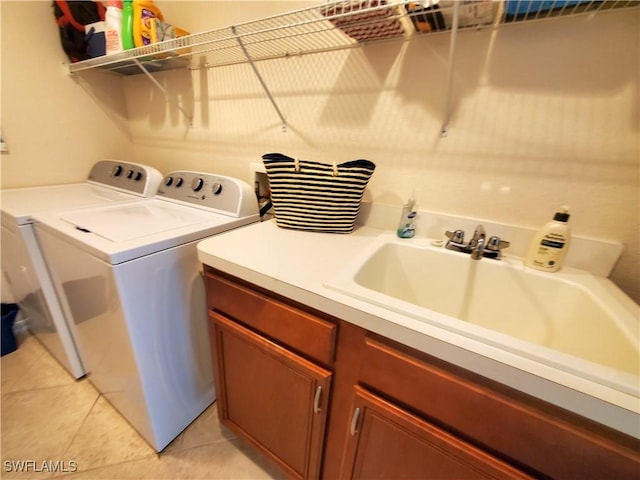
[(197, 184), (117, 171), (168, 181), (216, 188)]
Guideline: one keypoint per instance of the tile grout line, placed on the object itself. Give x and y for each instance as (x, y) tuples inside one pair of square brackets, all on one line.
[(73, 437)]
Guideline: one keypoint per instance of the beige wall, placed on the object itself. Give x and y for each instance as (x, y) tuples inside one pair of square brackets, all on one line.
[(544, 114), (56, 126)]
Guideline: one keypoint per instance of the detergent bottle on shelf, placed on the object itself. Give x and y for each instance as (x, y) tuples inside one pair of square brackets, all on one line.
[(127, 24), (113, 26), (145, 17)]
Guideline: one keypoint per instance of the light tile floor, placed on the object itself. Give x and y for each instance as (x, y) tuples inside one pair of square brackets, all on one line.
[(60, 423)]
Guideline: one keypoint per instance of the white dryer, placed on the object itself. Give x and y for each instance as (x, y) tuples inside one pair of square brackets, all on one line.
[(131, 281), (23, 267)]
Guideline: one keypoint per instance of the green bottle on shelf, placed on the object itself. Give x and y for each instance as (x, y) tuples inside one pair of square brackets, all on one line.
[(127, 24)]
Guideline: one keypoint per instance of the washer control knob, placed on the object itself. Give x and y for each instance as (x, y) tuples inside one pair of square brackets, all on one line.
[(216, 188), (117, 170), (179, 182), (168, 181), (130, 173), (138, 176), (197, 184)]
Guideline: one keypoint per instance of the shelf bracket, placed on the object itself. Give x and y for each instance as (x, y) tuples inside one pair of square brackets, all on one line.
[(163, 90), (260, 79), (444, 131)]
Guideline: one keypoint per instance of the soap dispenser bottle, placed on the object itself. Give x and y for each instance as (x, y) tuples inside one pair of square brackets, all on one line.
[(550, 244), (407, 226)]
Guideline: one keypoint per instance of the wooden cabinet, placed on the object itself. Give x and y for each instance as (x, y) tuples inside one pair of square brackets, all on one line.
[(272, 397), (290, 380), (385, 441), (541, 439), (267, 391)]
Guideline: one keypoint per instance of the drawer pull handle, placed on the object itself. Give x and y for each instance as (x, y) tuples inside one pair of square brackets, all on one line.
[(316, 400), (354, 421)]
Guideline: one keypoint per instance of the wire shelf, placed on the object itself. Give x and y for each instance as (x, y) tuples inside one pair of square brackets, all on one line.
[(335, 25)]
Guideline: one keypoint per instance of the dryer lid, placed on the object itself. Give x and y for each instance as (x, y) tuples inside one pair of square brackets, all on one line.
[(21, 203)]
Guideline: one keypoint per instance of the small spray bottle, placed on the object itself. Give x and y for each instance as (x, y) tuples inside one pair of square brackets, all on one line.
[(406, 226)]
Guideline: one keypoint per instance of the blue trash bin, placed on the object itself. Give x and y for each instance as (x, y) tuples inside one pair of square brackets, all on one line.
[(7, 337)]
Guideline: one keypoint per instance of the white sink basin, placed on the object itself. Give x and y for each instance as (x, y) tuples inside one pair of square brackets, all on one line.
[(570, 319)]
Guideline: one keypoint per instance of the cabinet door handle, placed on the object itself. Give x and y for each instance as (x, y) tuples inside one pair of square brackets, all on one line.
[(316, 400), (354, 421)]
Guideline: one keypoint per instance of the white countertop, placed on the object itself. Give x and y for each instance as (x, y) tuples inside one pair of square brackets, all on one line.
[(296, 264)]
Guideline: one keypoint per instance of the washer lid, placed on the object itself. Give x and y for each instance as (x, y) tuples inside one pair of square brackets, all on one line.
[(126, 222)]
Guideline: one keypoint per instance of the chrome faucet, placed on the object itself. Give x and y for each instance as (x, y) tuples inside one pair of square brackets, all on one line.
[(477, 242), (478, 246)]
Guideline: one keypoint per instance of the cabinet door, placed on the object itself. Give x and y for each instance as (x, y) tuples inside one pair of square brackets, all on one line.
[(272, 397), (388, 442)]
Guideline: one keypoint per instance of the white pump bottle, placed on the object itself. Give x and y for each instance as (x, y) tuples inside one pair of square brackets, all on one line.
[(549, 246)]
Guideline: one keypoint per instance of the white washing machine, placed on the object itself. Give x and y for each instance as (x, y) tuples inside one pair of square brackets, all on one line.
[(131, 281), (23, 267)]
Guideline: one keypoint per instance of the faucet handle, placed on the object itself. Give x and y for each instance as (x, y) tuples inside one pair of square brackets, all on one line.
[(495, 244), (455, 236)]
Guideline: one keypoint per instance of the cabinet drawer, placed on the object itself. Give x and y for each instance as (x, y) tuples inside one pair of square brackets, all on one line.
[(303, 332), (550, 441)]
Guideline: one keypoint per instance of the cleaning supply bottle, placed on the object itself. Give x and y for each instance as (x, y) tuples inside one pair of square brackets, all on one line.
[(550, 244), (127, 24), (113, 26), (145, 17), (407, 226)]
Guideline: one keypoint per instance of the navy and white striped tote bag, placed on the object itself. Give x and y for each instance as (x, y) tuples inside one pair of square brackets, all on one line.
[(316, 196)]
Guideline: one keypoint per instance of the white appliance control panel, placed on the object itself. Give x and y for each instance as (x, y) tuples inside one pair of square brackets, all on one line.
[(218, 193), (129, 177)]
